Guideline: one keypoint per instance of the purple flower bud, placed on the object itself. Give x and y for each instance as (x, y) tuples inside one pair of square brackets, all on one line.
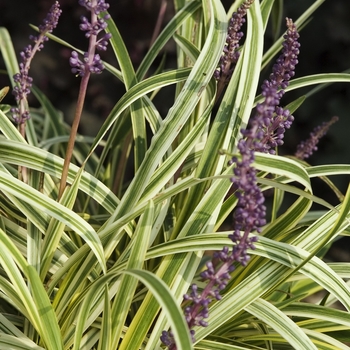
[(306, 148), (167, 338), (78, 67), (102, 43), (95, 6)]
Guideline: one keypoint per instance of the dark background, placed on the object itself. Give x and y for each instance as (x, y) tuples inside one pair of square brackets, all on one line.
[(325, 47)]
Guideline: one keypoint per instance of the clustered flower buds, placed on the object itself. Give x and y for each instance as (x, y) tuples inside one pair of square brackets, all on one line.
[(23, 80), (92, 62), (275, 120), (231, 54), (264, 132), (306, 148), (197, 309)]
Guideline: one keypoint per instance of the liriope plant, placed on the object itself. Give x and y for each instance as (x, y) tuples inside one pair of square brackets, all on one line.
[(94, 255)]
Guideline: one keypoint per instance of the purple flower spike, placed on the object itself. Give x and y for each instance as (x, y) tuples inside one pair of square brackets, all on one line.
[(275, 120), (197, 309), (231, 54), (51, 20), (91, 61), (24, 81), (250, 212), (265, 131), (307, 148)]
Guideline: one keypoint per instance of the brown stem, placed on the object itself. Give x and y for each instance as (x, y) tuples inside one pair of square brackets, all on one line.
[(79, 108), (160, 19), (23, 171), (73, 132)]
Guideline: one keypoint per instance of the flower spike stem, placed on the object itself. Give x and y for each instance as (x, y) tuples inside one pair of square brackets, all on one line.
[(90, 64), (73, 133)]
